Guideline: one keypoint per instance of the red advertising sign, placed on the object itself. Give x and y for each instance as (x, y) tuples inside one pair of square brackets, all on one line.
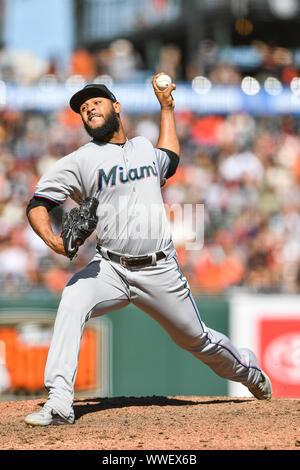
[(279, 353)]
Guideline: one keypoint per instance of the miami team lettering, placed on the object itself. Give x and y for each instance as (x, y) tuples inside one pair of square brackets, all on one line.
[(117, 174)]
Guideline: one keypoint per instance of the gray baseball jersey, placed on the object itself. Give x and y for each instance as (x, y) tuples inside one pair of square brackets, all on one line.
[(127, 180), (132, 174)]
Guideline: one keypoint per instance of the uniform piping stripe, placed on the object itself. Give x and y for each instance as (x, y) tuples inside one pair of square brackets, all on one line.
[(47, 197), (186, 286), (198, 315)]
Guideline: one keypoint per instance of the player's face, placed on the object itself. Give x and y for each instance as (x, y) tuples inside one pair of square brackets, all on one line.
[(100, 118), (94, 111)]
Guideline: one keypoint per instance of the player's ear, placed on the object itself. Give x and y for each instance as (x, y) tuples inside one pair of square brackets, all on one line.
[(117, 107)]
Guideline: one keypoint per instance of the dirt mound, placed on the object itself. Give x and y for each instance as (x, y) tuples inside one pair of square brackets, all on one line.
[(158, 423)]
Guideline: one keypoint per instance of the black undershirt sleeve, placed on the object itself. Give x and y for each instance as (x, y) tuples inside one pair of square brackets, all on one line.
[(174, 160), (38, 201)]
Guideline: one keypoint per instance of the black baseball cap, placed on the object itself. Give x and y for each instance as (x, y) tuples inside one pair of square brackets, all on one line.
[(90, 91)]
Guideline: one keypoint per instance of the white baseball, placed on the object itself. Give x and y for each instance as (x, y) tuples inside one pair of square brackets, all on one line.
[(163, 81)]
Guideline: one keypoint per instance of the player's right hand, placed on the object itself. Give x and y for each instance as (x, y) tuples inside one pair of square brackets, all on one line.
[(164, 97)]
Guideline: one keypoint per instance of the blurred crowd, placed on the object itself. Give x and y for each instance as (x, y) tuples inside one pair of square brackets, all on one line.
[(120, 61), (244, 172)]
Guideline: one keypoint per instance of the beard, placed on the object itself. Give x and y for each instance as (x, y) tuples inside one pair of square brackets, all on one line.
[(106, 131)]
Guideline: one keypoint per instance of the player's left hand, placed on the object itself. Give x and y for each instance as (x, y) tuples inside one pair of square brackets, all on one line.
[(78, 224), (164, 97)]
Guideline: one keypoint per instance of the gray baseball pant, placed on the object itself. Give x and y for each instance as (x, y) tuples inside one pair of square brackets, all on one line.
[(163, 293)]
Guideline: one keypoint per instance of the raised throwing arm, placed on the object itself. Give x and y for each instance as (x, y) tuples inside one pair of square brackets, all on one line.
[(167, 134)]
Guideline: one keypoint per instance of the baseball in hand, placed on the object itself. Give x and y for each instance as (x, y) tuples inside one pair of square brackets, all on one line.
[(163, 81)]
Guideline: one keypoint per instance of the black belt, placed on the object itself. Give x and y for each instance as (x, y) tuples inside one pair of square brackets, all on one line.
[(132, 261)]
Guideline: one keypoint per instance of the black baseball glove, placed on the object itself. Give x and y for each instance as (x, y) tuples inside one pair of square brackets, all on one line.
[(78, 224)]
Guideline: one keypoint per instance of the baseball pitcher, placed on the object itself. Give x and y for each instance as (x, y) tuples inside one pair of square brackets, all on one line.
[(117, 183)]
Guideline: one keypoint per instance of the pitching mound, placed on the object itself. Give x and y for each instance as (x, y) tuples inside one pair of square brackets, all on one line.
[(158, 423)]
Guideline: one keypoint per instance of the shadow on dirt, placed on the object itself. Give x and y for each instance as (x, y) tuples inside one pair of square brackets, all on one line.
[(86, 406)]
